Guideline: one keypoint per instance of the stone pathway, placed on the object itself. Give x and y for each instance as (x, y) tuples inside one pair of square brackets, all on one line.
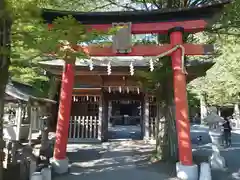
[(116, 160), (124, 132), (128, 160)]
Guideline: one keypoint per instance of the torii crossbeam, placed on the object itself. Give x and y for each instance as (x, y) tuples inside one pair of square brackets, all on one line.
[(148, 50), (172, 22)]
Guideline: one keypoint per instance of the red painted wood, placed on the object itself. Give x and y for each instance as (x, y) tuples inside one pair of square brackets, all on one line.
[(64, 112), (181, 104), (159, 27), (142, 50)]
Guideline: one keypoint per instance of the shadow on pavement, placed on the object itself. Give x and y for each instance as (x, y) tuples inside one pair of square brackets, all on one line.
[(116, 160), (130, 159), (124, 132)]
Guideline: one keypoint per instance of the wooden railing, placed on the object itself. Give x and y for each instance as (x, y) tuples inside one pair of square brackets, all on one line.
[(152, 127), (84, 128)]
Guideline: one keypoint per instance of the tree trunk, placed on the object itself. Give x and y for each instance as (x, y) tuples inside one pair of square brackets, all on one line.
[(5, 27), (170, 153), (166, 145), (53, 89), (52, 93), (166, 140)]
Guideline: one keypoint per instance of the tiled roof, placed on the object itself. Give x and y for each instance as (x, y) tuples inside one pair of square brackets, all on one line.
[(103, 61), (117, 62), (23, 92), (205, 10)]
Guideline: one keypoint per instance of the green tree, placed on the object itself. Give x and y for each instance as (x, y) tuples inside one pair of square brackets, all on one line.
[(24, 37), (221, 84)]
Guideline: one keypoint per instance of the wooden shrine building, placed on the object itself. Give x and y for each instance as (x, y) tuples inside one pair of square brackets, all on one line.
[(98, 96)]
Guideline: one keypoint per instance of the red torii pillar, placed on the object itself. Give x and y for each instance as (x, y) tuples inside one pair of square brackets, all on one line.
[(185, 168), (60, 161)]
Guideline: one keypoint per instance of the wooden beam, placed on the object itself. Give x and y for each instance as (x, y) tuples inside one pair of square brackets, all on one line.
[(87, 72), (123, 96), (86, 91), (106, 81), (191, 26), (158, 27), (88, 80), (147, 50)]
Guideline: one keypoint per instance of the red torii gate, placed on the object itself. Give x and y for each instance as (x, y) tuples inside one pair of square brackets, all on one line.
[(188, 20)]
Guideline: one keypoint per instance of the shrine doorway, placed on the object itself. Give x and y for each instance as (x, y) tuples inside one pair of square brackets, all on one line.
[(124, 119), (124, 116)]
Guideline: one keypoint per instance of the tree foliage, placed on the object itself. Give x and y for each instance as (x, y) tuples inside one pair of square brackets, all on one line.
[(25, 38), (31, 37), (221, 84)]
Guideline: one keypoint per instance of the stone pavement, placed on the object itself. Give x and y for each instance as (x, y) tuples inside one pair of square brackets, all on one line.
[(126, 160), (129, 159), (124, 132)]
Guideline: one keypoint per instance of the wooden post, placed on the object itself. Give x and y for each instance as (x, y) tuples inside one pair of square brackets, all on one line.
[(180, 98), (104, 118), (146, 117), (109, 111), (19, 122), (100, 117), (30, 125)]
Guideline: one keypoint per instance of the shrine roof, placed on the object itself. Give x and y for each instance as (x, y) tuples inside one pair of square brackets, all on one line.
[(178, 14), (23, 92), (115, 62), (103, 61)]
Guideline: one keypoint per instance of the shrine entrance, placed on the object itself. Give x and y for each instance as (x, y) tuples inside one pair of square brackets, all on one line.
[(183, 20), (125, 114)]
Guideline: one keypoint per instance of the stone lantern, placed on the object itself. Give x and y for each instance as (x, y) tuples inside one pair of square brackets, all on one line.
[(215, 132)]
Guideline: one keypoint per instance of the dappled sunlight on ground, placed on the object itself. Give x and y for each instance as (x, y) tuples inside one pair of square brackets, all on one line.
[(113, 160), (124, 132), (129, 159)]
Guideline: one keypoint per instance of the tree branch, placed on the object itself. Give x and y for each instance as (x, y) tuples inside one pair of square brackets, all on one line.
[(145, 5), (122, 5), (100, 7)]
